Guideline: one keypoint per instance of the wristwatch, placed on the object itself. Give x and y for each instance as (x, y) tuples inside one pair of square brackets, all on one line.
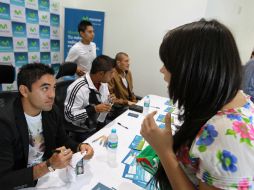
[(50, 168)]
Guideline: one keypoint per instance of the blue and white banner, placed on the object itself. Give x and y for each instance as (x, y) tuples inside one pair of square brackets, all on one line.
[(29, 32), (73, 18)]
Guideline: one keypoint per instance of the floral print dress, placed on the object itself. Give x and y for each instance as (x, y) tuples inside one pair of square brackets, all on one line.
[(222, 155)]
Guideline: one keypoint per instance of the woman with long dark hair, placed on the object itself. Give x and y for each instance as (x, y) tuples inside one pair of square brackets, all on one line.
[(214, 146)]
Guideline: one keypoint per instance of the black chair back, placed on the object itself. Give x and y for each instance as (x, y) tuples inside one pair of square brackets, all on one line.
[(61, 92), (66, 69), (7, 97), (7, 75)]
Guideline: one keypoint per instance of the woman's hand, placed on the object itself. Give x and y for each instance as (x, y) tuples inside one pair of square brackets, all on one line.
[(160, 139)]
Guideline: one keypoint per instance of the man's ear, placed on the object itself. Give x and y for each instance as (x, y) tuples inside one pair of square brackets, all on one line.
[(101, 73), (82, 33), (23, 90)]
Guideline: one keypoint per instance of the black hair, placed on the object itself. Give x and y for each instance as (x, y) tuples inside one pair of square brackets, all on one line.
[(83, 25), (30, 73), (102, 63), (205, 67)]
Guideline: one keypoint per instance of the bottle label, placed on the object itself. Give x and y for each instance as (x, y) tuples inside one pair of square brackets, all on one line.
[(146, 104), (112, 145)]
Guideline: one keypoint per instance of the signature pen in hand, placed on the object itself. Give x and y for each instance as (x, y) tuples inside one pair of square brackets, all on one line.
[(122, 125)]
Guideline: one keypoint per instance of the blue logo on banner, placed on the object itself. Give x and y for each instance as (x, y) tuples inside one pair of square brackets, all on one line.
[(54, 20), (6, 44), (72, 19), (44, 5), (55, 67), (20, 59), (33, 45), (5, 11), (32, 16), (18, 2), (44, 32), (55, 45), (19, 29), (45, 57)]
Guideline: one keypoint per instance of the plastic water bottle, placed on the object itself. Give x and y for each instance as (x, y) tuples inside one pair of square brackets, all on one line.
[(146, 105), (112, 148)]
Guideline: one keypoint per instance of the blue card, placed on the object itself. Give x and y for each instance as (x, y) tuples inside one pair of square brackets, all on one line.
[(127, 172), (162, 126), (100, 186), (161, 118), (137, 143), (169, 109), (130, 158), (142, 177), (169, 103)]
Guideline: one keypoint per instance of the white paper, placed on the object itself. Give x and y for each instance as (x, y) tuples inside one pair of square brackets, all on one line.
[(70, 170), (60, 177), (102, 116)]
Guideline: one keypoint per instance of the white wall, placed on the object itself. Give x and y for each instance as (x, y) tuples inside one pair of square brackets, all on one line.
[(137, 27), (238, 16)]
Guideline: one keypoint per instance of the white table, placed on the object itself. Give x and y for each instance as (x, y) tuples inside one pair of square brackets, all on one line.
[(98, 169)]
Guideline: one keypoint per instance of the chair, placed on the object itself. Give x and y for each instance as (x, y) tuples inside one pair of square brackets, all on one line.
[(7, 76), (67, 69)]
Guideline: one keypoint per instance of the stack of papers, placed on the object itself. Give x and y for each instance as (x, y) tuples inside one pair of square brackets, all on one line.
[(134, 171)]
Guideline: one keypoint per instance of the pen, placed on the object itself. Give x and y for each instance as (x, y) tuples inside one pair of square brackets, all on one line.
[(155, 107), (97, 139), (122, 125)]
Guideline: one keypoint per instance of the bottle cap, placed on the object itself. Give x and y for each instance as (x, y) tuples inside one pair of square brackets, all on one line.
[(113, 131)]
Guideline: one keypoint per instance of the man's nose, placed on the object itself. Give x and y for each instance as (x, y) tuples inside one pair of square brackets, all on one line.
[(52, 93)]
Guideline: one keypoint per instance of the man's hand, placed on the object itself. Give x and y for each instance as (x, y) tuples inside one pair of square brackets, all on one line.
[(102, 108), (112, 98), (131, 103), (62, 159), (88, 149)]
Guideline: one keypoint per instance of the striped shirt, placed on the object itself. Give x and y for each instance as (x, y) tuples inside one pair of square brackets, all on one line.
[(82, 96)]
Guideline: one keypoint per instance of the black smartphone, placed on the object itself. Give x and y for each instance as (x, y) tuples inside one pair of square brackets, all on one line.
[(136, 108), (133, 115)]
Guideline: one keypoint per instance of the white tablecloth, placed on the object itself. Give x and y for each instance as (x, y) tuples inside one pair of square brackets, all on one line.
[(97, 169)]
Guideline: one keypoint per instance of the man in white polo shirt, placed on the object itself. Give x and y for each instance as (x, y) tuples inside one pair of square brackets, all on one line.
[(84, 51)]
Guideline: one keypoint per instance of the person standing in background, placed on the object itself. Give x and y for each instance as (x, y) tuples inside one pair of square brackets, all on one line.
[(84, 51)]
